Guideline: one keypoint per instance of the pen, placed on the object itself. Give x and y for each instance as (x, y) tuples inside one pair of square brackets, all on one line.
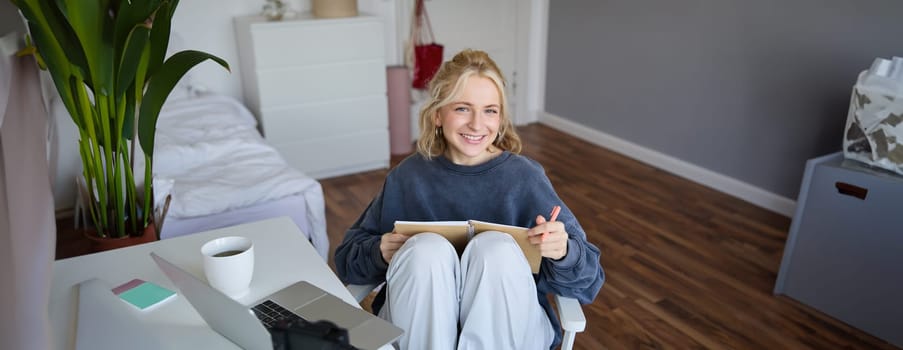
[(552, 217)]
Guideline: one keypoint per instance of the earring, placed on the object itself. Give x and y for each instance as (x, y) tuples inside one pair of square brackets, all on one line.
[(438, 131)]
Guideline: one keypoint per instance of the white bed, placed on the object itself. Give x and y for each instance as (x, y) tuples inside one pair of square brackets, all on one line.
[(210, 157)]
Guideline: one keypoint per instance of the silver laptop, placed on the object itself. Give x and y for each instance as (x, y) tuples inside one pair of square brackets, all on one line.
[(247, 328)]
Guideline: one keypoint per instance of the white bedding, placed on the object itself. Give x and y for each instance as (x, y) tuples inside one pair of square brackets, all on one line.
[(208, 149)]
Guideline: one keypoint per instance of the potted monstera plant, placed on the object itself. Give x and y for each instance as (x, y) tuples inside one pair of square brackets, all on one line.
[(107, 60)]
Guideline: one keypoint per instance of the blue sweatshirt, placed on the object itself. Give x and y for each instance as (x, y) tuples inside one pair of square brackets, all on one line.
[(509, 189)]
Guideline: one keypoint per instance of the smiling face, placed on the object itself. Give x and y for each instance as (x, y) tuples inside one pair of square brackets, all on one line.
[(470, 123), (466, 116)]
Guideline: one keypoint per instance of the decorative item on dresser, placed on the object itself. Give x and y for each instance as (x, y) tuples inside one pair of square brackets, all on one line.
[(318, 88), (334, 8), (274, 10)]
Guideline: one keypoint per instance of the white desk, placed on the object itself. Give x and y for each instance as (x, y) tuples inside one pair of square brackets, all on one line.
[(282, 257)]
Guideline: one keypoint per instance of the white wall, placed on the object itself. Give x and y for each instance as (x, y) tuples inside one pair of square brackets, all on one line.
[(206, 25)]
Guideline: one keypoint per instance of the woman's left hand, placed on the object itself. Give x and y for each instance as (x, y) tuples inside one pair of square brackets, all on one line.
[(549, 237)]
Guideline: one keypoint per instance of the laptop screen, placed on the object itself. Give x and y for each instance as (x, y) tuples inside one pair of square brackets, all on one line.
[(227, 317)]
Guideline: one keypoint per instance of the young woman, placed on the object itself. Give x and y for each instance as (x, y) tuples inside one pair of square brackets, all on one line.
[(467, 167)]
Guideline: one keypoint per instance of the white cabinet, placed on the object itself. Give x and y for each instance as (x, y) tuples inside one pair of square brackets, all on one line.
[(318, 89)]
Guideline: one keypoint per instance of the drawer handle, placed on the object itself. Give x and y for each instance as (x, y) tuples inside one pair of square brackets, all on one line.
[(851, 190)]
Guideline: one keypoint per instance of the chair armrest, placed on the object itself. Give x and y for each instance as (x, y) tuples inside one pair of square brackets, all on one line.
[(571, 314), (360, 291)]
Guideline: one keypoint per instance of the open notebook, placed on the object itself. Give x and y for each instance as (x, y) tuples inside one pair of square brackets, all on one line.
[(460, 232)]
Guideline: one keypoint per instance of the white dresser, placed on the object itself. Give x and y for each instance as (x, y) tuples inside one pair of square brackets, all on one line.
[(318, 89)]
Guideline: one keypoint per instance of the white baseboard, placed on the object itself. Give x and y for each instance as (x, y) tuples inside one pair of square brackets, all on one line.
[(705, 177)]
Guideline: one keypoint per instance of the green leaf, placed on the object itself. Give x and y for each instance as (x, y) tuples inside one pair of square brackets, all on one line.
[(129, 14), (57, 64), (42, 18), (141, 74), (92, 25), (72, 91), (47, 16), (159, 36), (159, 87), (128, 126), (131, 57)]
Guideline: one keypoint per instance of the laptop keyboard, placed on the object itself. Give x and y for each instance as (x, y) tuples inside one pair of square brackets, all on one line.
[(271, 313)]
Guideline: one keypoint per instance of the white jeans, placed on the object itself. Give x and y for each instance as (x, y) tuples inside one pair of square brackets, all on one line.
[(490, 293)]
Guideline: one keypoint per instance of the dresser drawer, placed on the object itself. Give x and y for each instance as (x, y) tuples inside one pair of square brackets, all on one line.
[(302, 85), (325, 157), (317, 120), (318, 89), (290, 44)]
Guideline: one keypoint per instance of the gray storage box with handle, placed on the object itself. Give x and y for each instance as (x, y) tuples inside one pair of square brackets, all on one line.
[(844, 253)]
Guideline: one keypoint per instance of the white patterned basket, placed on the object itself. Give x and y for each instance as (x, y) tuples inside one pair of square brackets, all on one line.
[(874, 129)]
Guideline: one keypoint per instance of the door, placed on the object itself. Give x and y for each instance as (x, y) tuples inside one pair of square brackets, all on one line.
[(488, 25)]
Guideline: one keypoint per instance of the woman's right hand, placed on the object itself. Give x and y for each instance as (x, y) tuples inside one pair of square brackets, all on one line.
[(390, 243)]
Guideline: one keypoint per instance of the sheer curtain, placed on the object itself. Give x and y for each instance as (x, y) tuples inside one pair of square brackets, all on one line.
[(27, 225)]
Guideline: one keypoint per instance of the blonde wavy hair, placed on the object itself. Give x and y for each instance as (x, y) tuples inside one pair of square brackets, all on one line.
[(446, 87)]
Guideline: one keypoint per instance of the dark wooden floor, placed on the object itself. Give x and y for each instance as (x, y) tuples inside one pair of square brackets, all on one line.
[(687, 267)]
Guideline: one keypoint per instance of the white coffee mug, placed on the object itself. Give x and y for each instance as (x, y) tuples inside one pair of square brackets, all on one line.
[(229, 264)]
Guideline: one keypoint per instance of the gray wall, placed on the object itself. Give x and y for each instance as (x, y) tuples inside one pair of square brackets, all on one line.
[(747, 89)]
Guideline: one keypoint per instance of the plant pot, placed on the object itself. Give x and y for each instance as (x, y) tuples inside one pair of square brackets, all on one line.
[(102, 244)]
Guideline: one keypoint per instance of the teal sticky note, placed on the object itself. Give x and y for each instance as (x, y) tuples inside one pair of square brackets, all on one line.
[(142, 294)]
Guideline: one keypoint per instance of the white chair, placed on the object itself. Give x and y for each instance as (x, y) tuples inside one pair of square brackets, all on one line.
[(569, 312)]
